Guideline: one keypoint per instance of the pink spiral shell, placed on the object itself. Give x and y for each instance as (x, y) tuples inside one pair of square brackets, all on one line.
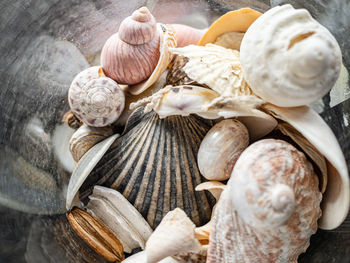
[(131, 55)]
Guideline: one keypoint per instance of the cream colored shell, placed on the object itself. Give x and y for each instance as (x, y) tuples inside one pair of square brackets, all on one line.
[(270, 207), (217, 67), (288, 58), (220, 149)]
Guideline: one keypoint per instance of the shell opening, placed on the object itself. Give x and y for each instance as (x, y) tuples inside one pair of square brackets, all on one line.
[(299, 38)]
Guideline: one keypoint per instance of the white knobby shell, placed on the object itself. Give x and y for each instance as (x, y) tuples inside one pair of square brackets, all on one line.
[(220, 149), (268, 184), (95, 99), (174, 235), (86, 137), (270, 207), (217, 67), (116, 212), (288, 58)]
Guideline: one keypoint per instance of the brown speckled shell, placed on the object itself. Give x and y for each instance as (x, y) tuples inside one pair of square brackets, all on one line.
[(233, 240)]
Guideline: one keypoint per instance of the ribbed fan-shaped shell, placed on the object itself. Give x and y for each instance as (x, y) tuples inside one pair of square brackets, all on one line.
[(154, 166)]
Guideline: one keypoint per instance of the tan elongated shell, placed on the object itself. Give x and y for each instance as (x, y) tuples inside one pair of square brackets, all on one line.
[(221, 148), (86, 137), (95, 99), (131, 55), (174, 235), (187, 35), (121, 217), (270, 206), (96, 234), (291, 37)]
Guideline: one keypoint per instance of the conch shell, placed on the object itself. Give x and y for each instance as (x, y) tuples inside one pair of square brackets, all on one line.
[(310, 56), (270, 206), (95, 99)]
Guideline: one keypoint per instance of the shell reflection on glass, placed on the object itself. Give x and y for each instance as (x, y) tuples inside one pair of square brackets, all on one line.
[(270, 206), (96, 100)]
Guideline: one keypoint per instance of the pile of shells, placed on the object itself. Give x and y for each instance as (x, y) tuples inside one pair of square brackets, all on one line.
[(211, 150)]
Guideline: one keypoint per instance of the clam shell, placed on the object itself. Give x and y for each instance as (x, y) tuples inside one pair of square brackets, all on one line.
[(52, 239), (336, 199), (154, 166), (112, 209), (230, 40), (167, 40), (85, 138), (234, 21)]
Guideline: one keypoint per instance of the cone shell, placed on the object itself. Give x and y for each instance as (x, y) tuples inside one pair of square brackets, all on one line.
[(153, 164), (167, 40), (234, 21)]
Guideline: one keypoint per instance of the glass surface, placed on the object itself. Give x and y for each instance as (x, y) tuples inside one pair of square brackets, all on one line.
[(43, 45)]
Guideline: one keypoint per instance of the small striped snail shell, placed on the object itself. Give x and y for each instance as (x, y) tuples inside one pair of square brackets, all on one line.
[(95, 99), (131, 55)]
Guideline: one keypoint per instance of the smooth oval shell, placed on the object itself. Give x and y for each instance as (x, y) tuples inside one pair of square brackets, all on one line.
[(267, 238), (186, 35), (221, 148), (96, 100), (153, 164), (291, 37), (233, 21)]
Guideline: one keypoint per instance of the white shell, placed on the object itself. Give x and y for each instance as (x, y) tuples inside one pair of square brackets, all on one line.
[(141, 257), (95, 99), (115, 211), (86, 137), (288, 58), (336, 199), (174, 235), (220, 149), (217, 67), (85, 166)]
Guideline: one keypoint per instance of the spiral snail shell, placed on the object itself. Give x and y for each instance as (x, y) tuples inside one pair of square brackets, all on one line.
[(95, 99), (270, 206), (310, 56)]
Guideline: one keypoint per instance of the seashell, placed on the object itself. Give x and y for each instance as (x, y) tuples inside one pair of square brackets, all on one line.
[(174, 235), (70, 119), (270, 206), (52, 239), (95, 99), (186, 35), (85, 138), (141, 257), (231, 40), (233, 21), (131, 55), (83, 168), (220, 149), (291, 37), (153, 165), (96, 234), (216, 67), (187, 99), (336, 199), (122, 218)]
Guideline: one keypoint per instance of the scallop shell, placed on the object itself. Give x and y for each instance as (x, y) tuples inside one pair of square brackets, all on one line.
[(221, 148), (291, 37), (234, 21), (112, 209), (153, 164), (167, 40), (270, 214), (174, 235), (86, 137), (336, 199), (95, 99)]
